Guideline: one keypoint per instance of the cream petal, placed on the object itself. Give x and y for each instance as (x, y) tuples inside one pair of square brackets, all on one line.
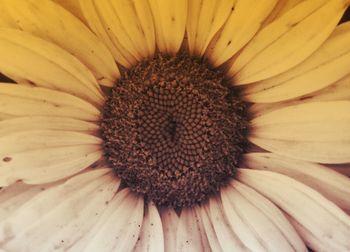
[(151, 235), (306, 131), (331, 184), (203, 212), (53, 223), (227, 238), (205, 18), (326, 66), (52, 22), (189, 235), (285, 43), (338, 91), (119, 226), (170, 221), (330, 223), (20, 124), (45, 165), (17, 100), (242, 24), (170, 23), (45, 64)]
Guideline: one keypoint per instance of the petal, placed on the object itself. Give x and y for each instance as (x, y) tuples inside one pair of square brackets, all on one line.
[(326, 66), (272, 213), (205, 18), (151, 237), (119, 226), (169, 221), (315, 131), (39, 139), (337, 91), (288, 40), (48, 221), (20, 124), (329, 183), (18, 100), (96, 22), (203, 212), (52, 22), (73, 6), (121, 19), (330, 224), (242, 24), (45, 64), (14, 196), (256, 229), (170, 23), (47, 164), (227, 238), (190, 236)]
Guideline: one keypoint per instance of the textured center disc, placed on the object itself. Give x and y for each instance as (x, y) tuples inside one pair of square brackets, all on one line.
[(174, 130)]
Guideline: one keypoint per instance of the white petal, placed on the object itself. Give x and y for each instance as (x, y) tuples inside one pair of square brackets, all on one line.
[(170, 221), (227, 238), (119, 226), (203, 212), (331, 184), (61, 225), (308, 207), (258, 223), (151, 236), (189, 235)]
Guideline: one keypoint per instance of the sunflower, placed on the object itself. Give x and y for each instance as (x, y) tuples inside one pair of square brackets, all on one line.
[(189, 125)]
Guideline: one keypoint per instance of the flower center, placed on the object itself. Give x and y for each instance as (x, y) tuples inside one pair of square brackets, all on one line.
[(174, 130)]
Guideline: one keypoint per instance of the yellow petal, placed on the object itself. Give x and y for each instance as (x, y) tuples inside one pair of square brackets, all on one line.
[(170, 23), (45, 64), (326, 66), (205, 18), (242, 24), (96, 22), (288, 40), (53, 23)]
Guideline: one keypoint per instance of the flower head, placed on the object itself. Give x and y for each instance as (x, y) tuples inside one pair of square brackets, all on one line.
[(174, 125)]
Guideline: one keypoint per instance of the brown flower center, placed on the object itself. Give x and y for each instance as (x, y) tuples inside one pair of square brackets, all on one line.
[(174, 130)]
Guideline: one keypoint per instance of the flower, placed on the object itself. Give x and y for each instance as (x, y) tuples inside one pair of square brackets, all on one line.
[(118, 135)]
